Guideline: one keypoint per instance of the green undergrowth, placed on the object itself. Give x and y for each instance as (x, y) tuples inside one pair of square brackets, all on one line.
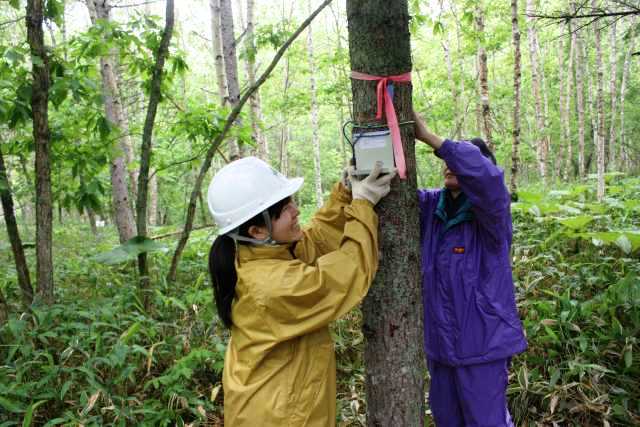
[(98, 357)]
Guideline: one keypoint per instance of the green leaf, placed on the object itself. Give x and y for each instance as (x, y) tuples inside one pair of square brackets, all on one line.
[(130, 332), (29, 415), (624, 243), (576, 222), (628, 358), (555, 377), (129, 250), (15, 4), (10, 405)]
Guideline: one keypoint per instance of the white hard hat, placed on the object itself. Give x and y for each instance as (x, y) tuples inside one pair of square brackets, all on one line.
[(243, 189)]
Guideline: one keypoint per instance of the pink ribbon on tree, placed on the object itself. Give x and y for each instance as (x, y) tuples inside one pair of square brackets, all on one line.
[(385, 101)]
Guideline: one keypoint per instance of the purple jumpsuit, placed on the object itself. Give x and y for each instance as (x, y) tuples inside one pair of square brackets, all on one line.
[(471, 322)]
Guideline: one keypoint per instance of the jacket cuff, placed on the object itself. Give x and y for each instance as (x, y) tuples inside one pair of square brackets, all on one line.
[(341, 193), (445, 149)]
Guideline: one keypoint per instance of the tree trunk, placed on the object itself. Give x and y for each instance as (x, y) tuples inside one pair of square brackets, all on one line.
[(40, 112), (623, 91), (483, 76), (517, 74), (613, 69), (92, 221), (315, 138), (592, 106), (145, 154), (22, 270), (230, 65), (536, 89), (153, 198), (567, 136), (557, 161), (100, 9), (379, 44), (284, 120), (4, 308), (580, 101), (600, 152), (255, 113), (218, 59)]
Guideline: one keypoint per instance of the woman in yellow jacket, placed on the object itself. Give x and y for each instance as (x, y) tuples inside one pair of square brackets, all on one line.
[(277, 287)]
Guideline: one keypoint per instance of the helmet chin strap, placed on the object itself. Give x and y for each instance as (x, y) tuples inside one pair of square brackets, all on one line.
[(235, 235)]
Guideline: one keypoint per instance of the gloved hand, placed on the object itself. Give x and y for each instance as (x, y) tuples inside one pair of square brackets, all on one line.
[(374, 187)]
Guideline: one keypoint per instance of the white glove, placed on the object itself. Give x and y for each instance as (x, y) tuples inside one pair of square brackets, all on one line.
[(373, 187)]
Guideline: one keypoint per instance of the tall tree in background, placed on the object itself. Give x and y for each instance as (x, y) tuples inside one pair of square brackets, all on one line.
[(216, 47), (22, 269), (255, 111), (483, 76), (40, 112), (536, 88), (562, 77), (623, 91), (579, 61), (517, 74), (599, 141), (569, 140), (155, 95), (118, 164), (379, 45), (230, 64), (315, 128), (613, 80)]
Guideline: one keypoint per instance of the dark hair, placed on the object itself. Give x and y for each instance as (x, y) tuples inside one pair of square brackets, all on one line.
[(222, 266), (479, 142)]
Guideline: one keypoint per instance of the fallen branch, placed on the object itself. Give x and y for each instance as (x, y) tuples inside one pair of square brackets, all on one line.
[(191, 209)]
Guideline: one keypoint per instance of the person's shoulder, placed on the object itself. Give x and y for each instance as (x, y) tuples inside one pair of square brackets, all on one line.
[(428, 196)]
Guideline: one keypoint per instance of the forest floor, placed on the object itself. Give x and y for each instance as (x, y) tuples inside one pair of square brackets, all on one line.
[(100, 357)]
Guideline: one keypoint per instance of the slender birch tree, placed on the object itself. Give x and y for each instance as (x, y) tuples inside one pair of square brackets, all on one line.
[(600, 147), (613, 96), (216, 48), (230, 65), (118, 166), (483, 76), (579, 62)]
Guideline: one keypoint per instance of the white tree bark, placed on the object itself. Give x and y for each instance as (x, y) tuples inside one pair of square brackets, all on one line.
[(483, 77), (600, 149), (99, 9), (622, 156), (216, 46), (255, 113), (536, 83), (580, 103), (567, 110), (230, 64), (613, 79), (153, 198), (557, 161)]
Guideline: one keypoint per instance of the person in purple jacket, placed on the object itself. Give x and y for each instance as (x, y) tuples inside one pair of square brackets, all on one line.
[(471, 324)]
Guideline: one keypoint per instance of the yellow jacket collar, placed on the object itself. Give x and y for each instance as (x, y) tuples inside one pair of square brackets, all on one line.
[(252, 252)]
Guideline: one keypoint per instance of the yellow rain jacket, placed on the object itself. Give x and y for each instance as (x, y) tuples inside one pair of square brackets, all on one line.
[(280, 365)]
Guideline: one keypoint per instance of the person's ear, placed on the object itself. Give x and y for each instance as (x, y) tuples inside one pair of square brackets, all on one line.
[(258, 233)]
